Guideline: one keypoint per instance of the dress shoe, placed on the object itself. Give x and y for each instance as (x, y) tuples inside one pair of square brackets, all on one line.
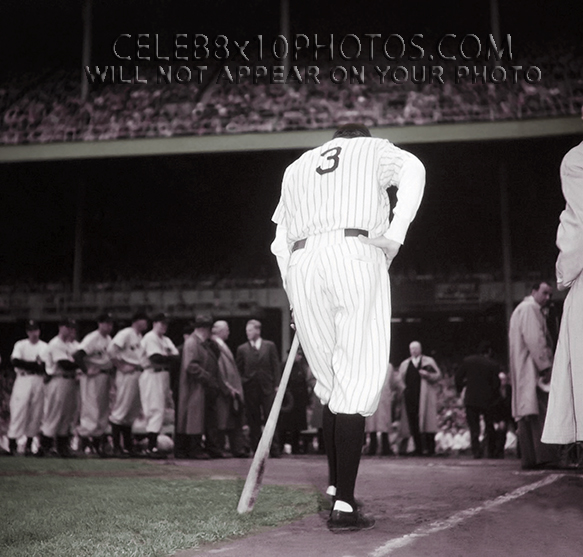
[(341, 521)]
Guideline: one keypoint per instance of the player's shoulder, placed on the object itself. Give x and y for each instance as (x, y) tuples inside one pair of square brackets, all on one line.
[(122, 334), (90, 336), (573, 158), (55, 340), (150, 336)]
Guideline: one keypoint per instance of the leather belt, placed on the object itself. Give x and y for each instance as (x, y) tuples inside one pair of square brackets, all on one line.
[(348, 232)]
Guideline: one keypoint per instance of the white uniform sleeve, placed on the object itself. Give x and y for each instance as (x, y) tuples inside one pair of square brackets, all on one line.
[(117, 344), (172, 350), (410, 187), (280, 249), (87, 343), (152, 345), (17, 351), (279, 246)]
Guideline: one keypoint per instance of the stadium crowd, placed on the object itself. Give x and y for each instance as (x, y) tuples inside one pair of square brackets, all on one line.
[(47, 107), (139, 394)]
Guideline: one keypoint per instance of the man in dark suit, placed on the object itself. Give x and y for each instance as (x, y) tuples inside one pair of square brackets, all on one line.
[(478, 374), (259, 367)]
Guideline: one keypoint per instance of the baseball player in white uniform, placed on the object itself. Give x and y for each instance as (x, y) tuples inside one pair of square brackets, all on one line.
[(26, 400), (160, 355), (61, 390), (95, 383), (334, 243), (127, 354)]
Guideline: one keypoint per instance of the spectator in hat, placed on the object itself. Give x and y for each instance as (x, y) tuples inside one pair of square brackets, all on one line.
[(259, 366), (160, 356), (26, 400), (61, 390), (198, 381), (127, 354), (97, 369)]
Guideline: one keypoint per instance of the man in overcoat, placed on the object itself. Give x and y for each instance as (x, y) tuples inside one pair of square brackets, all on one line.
[(531, 359), (197, 381), (230, 400), (418, 377)]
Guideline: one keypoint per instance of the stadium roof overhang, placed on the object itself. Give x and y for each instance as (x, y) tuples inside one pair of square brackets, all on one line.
[(474, 131)]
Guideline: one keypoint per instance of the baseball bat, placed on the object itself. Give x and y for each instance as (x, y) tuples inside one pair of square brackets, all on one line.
[(255, 475)]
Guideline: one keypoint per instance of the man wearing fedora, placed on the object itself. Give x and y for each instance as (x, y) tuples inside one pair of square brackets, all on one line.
[(198, 381)]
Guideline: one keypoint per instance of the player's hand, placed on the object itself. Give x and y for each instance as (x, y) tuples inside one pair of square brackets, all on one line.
[(389, 247)]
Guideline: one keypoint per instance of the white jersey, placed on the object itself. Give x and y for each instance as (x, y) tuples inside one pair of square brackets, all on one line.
[(27, 351), (343, 184), (57, 349), (156, 344), (95, 346), (127, 346)]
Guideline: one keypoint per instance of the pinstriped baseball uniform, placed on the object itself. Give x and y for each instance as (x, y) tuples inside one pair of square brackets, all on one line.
[(26, 400), (61, 393), (155, 380), (126, 346), (339, 286), (94, 386)]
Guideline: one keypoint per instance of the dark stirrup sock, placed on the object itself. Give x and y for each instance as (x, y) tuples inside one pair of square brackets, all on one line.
[(328, 428), (349, 436)]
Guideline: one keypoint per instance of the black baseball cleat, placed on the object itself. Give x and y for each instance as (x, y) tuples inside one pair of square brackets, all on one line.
[(341, 521)]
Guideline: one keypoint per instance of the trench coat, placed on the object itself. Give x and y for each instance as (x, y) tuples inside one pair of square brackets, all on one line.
[(530, 353), (382, 420), (427, 398), (195, 378), (564, 422), (228, 412)]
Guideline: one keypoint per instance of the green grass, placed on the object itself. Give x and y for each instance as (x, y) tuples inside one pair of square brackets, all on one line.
[(55, 507)]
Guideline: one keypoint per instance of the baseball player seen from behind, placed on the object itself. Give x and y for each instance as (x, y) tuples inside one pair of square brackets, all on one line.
[(334, 243)]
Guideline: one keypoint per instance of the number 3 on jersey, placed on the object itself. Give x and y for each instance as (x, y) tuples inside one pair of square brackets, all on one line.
[(334, 158)]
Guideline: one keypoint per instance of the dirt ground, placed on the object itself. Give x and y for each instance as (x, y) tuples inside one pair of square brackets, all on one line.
[(424, 507)]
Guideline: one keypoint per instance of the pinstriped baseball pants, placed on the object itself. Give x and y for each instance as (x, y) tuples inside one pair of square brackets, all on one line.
[(340, 293)]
